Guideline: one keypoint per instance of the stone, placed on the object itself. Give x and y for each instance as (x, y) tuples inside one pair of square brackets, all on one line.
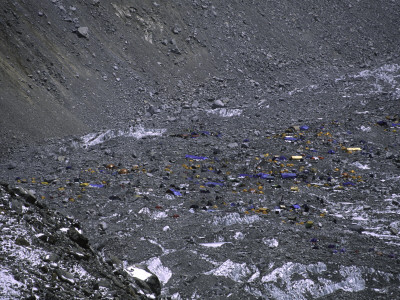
[(245, 145), (20, 241), (356, 228), (233, 145), (12, 165), (195, 104), (176, 29), (65, 276), (102, 283), (218, 104), (78, 238), (17, 206), (103, 226), (145, 279), (51, 257), (83, 32)]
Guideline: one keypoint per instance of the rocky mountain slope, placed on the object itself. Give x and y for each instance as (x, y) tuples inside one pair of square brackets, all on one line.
[(70, 67)]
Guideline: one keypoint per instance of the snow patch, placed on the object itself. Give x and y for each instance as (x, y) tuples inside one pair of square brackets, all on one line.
[(138, 273), (163, 273), (157, 215), (234, 218), (361, 166), (226, 112), (139, 132), (214, 245), (365, 128), (272, 243), (282, 285), (238, 236), (9, 287), (235, 271)]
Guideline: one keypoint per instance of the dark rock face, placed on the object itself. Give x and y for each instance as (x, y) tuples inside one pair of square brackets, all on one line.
[(199, 149), (44, 255)]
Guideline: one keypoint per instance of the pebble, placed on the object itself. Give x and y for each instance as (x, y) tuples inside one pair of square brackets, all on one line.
[(217, 104), (83, 32)]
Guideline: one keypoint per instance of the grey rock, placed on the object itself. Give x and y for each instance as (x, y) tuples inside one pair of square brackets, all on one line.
[(185, 105), (394, 231), (78, 254), (151, 283), (103, 283), (17, 206), (12, 165), (195, 104), (356, 228), (389, 155), (51, 257), (83, 32), (176, 29), (22, 242), (151, 110), (103, 226), (245, 145), (217, 104), (78, 238), (115, 261), (233, 145), (65, 276)]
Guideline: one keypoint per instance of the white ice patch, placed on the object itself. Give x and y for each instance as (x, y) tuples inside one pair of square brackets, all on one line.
[(282, 285), (300, 90), (139, 132), (176, 296), (82, 273), (235, 271), (361, 166), (138, 273), (384, 73), (156, 215), (366, 112), (387, 74), (396, 94), (378, 80), (163, 273), (238, 236), (272, 243), (365, 128), (214, 245), (388, 236), (375, 219), (9, 286), (234, 218), (226, 112), (22, 256)]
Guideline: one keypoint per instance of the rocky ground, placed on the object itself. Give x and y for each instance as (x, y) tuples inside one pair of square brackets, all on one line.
[(249, 152), (236, 205)]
